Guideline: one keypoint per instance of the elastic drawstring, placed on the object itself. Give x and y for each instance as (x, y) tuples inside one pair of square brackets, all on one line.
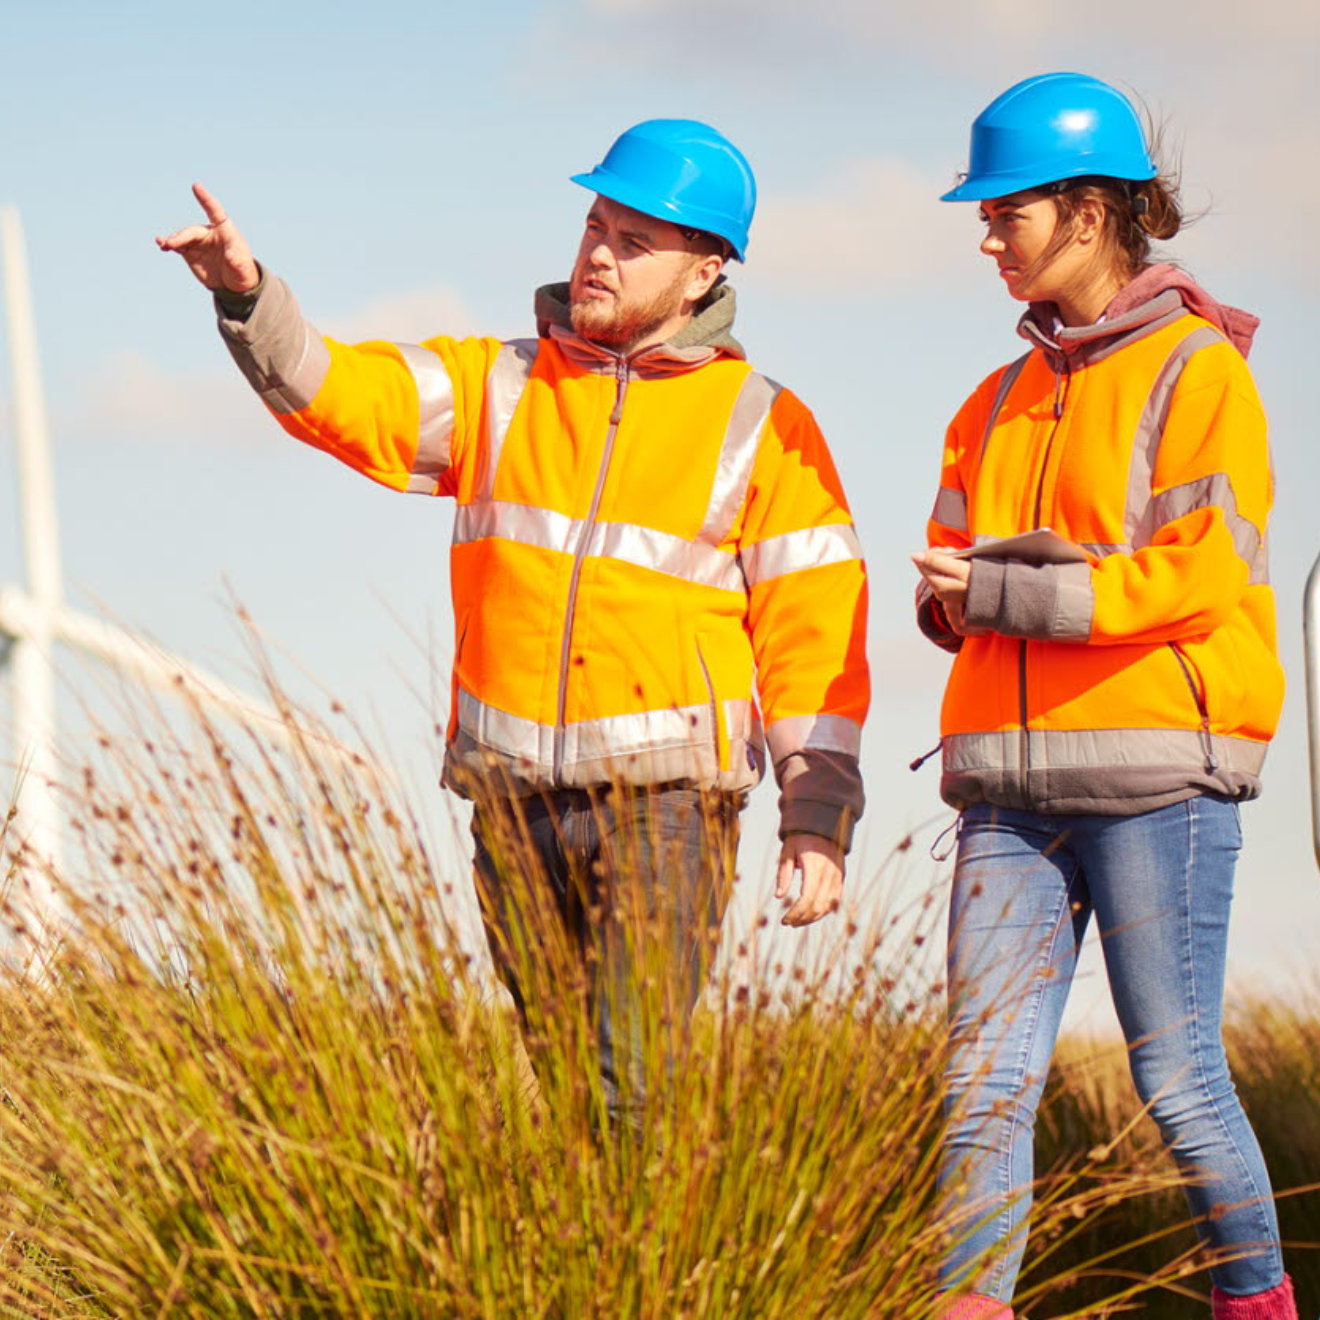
[(921, 760), (936, 855)]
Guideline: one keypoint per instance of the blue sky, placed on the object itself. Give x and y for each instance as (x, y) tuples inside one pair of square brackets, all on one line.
[(405, 168)]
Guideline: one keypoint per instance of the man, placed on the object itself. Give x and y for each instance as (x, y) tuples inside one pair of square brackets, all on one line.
[(645, 528)]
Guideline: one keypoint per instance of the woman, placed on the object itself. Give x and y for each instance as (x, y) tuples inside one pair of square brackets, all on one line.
[(1107, 712)]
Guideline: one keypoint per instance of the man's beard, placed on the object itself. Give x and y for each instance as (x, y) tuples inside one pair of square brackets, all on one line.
[(618, 325)]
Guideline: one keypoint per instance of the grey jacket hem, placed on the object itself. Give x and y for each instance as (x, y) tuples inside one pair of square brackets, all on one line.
[(1088, 792)]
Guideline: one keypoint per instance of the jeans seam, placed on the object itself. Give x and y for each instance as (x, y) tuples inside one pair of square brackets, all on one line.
[(1004, 1229), (1267, 1237)]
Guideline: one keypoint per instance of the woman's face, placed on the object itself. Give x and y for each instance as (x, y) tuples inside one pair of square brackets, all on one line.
[(1018, 231)]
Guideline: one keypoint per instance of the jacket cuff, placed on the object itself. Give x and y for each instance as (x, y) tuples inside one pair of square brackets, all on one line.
[(820, 793), (233, 306), (932, 620), (1047, 602), (282, 355)]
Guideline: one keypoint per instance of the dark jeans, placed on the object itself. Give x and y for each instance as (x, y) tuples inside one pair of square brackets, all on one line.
[(614, 894)]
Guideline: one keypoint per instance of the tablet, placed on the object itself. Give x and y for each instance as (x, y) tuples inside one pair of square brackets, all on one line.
[(1043, 546)]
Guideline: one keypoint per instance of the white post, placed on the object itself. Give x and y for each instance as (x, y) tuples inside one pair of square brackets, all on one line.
[(1311, 642), (33, 669)]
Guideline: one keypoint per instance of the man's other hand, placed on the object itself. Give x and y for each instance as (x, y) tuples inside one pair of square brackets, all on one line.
[(215, 252), (821, 865)]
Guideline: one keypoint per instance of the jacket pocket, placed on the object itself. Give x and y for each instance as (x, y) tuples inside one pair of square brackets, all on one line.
[(718, 731), (1196, 687)]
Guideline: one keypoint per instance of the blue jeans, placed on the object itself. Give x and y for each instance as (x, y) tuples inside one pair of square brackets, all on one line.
[(621, 890), (1160, 885)]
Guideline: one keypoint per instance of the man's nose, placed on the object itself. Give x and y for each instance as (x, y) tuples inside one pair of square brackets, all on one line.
[(992, 244)]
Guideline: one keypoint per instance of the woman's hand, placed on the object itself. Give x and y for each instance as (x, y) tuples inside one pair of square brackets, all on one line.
[(948, 577)]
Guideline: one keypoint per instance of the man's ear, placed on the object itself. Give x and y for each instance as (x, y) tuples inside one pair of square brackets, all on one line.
[(701, 278)]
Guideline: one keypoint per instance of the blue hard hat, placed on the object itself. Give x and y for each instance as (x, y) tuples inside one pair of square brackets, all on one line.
[(1052, 127), (682, 171)]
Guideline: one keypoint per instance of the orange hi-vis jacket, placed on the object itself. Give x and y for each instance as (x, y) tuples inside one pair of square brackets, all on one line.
[(1148, 674), (642, 545)]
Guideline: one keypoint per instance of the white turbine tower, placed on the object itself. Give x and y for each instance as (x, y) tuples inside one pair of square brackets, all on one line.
[(34, 618)]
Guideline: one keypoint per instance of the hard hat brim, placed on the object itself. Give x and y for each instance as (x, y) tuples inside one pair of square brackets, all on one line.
[(979, 187), (608, 184)]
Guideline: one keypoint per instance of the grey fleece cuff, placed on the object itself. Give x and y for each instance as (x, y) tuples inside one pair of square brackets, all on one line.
[(282, 355), (932, 620), (1048, 602), (238, 306), (820, 793)]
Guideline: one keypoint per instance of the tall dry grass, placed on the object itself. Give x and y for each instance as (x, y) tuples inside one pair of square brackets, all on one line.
[(263, 1076), (1274, 1055)]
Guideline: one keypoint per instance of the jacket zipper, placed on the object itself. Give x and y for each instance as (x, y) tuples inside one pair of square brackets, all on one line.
[(1211, 760), (579, 554), (1062, 379)]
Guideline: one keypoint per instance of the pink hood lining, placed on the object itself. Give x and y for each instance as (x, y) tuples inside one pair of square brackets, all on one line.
[(1237, 326)]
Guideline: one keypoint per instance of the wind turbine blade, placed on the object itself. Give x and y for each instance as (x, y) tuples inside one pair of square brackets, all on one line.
[(36, 482), (33, 673), (164, 671)]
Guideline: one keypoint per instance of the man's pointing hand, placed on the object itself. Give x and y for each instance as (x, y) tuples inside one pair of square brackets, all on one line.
[(215, 252)]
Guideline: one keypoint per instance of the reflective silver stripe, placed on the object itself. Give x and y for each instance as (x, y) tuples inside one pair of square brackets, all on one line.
[(791, 552), (283, 356), (733, 472), (648, 747), (1214, 491), (950, 509), (504, 388), (435, 417), (543, 528), (823, 733), (1260, 565), (502, 732), (1011, 373), (1138, 515), (661, 552), (1082, 749), (1074, 603)]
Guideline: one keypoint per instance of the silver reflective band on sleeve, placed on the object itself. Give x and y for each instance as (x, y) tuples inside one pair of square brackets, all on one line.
[(791, 552), (504, 388), (950, 509), (733, 473), (1138, 516), (822, 733), (1074, 603), (435, 417), (661, 552), (1214, 491)]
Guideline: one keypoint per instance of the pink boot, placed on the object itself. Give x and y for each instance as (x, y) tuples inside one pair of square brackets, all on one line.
[(1277, 1304), (976, 1306)]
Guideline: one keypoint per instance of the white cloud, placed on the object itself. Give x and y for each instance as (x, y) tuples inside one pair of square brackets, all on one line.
[(132, 394), (870, 223), (407, 317)]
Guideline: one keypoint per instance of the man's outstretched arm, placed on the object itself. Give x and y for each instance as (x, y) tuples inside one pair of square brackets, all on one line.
[(404, 415)]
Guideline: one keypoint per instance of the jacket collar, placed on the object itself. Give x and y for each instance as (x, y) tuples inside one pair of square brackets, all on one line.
[(706, 336), (1159, 295)]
